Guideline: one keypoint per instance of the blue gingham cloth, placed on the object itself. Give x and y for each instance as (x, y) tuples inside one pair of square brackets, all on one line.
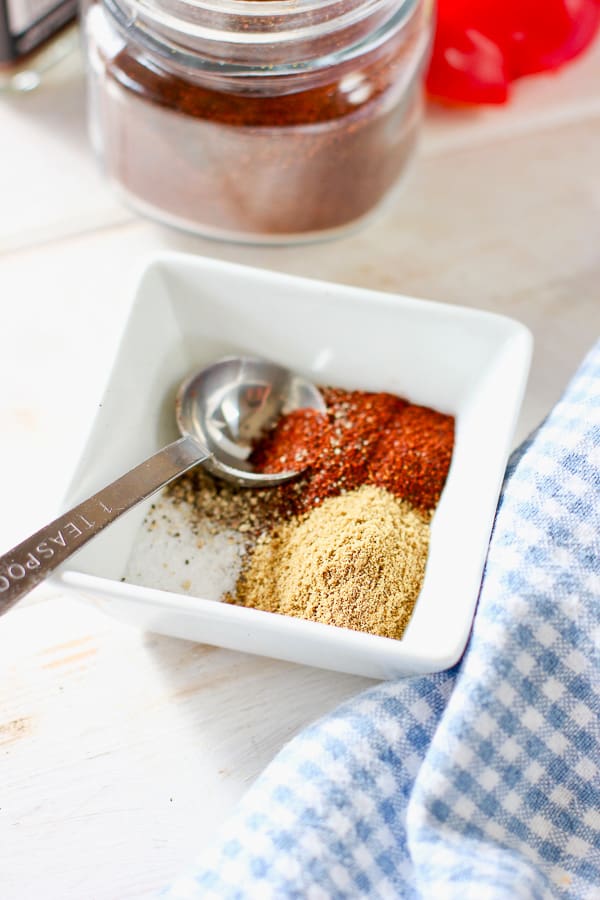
[(479, 782)]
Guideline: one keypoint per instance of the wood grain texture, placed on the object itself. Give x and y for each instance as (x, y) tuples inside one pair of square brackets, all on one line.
[(120, 751)]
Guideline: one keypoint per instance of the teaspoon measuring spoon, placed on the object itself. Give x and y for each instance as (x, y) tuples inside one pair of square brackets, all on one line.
[(220, 410)]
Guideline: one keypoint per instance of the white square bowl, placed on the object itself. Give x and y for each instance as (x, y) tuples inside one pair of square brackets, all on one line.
[(189, 311)]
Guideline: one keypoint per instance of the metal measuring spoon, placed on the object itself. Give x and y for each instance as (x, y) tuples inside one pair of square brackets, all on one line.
[(220, 412)]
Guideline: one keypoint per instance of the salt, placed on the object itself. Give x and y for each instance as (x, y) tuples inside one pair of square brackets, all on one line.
[(173, 554)]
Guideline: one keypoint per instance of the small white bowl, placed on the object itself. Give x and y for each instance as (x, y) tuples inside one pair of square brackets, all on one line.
[(190, 311)]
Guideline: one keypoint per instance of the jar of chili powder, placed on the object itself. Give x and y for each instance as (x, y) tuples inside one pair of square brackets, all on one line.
[(271, 120)]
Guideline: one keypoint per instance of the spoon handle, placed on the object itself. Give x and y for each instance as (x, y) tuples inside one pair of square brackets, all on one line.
[(30, 562)]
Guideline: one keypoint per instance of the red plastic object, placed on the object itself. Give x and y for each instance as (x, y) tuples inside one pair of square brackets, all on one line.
[(481, 46)]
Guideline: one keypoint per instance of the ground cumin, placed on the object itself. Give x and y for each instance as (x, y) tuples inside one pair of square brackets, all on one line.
[(356, 561)]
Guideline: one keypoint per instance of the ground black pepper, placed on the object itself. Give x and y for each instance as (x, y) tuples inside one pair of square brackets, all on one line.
[(365, 438)]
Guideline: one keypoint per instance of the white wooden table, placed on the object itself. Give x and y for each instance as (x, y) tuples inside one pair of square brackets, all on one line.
[(120, 752)]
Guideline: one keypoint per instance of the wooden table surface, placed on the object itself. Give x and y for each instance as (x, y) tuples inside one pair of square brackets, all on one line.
[(121, 751)]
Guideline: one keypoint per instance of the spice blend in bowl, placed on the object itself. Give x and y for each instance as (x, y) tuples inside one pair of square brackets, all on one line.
[(346, 543), (166, 576)]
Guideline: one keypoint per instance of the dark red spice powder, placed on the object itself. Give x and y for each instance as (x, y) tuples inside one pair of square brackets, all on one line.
[(302, 107), (298, 440), (226, 146), (365, 438)]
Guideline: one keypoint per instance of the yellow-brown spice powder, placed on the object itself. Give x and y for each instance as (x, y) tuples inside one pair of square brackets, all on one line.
[(356, 561)]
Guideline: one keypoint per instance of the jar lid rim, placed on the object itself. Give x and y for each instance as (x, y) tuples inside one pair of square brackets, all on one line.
[(197, 43)]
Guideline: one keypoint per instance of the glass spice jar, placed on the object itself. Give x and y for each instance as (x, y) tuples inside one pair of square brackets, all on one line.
[(272, 120), (35, 35)]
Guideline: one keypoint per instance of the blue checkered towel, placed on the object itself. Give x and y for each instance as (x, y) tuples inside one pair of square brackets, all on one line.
[(480, 782)]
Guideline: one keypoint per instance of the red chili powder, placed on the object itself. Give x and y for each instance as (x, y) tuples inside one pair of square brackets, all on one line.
[(365, 438), (298, 440)]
